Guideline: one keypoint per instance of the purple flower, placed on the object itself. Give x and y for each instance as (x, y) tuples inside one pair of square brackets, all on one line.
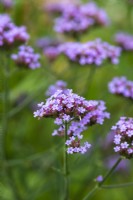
[(46, 42), (67, 107), (122, 139), (10, 34), (77, 23), (99, 178), (121, 86), (59, 85), (125, 40), (78, 18), (26, 57), (51, 53), (93, 52), (7, 3), (92, 10)]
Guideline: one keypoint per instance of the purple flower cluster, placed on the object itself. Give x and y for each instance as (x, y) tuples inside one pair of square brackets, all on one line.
[(59, 85), (93, 52), (49, 47), (74, 22), (121, 86), (67, 107), (7, 3), (93, 11), (78, 18), (56, 8), (123, 137), (10, 34), (51, 53), (125, 41), (26, 57), (46, 42)]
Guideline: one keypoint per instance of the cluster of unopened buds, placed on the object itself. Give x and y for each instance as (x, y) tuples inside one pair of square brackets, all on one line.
[(26, 57), (10, 34), (77, 18), (123, 137), (121, 86), (125, 40), (66, 107), (92, 52), (59, 85)]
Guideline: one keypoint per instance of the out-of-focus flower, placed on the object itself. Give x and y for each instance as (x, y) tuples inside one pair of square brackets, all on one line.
[(60, 8), (46, 42), (121, 86), (79, 18), (76, 22), (125, 40), (49, 47), (26, 57), (67, 107), (122, 167), (7, 3), (93, 52), (10, 34), (123, 137), (51, 53), (99, 15), (59, 85)]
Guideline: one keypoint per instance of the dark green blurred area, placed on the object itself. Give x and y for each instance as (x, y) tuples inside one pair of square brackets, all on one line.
[(32, 153)]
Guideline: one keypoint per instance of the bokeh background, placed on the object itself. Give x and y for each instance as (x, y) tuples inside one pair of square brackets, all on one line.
[(32, 154)]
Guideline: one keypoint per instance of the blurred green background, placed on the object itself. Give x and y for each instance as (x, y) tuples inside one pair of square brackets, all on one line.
[(32, 154)]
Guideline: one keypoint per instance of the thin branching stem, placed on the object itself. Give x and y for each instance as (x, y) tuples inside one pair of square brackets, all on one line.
[(117, 185), (66, 172), (100, 184)]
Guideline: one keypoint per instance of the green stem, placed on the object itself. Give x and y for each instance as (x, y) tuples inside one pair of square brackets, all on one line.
[(91, 192), (89, 79), (5, 112), (7, 174), (66, 172), (110, 171), (99, 185), (117, 186)]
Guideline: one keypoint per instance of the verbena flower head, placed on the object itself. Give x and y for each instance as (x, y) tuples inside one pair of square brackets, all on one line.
[(123, 137), (7, 3), (26, 57), (65, 106), (78, 18), (59, 85), (93, 52), (10, 34), (46, 42), (51, 53), (121, 86), (73, 23), (60, 8), (99, 15), (125, 40)]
